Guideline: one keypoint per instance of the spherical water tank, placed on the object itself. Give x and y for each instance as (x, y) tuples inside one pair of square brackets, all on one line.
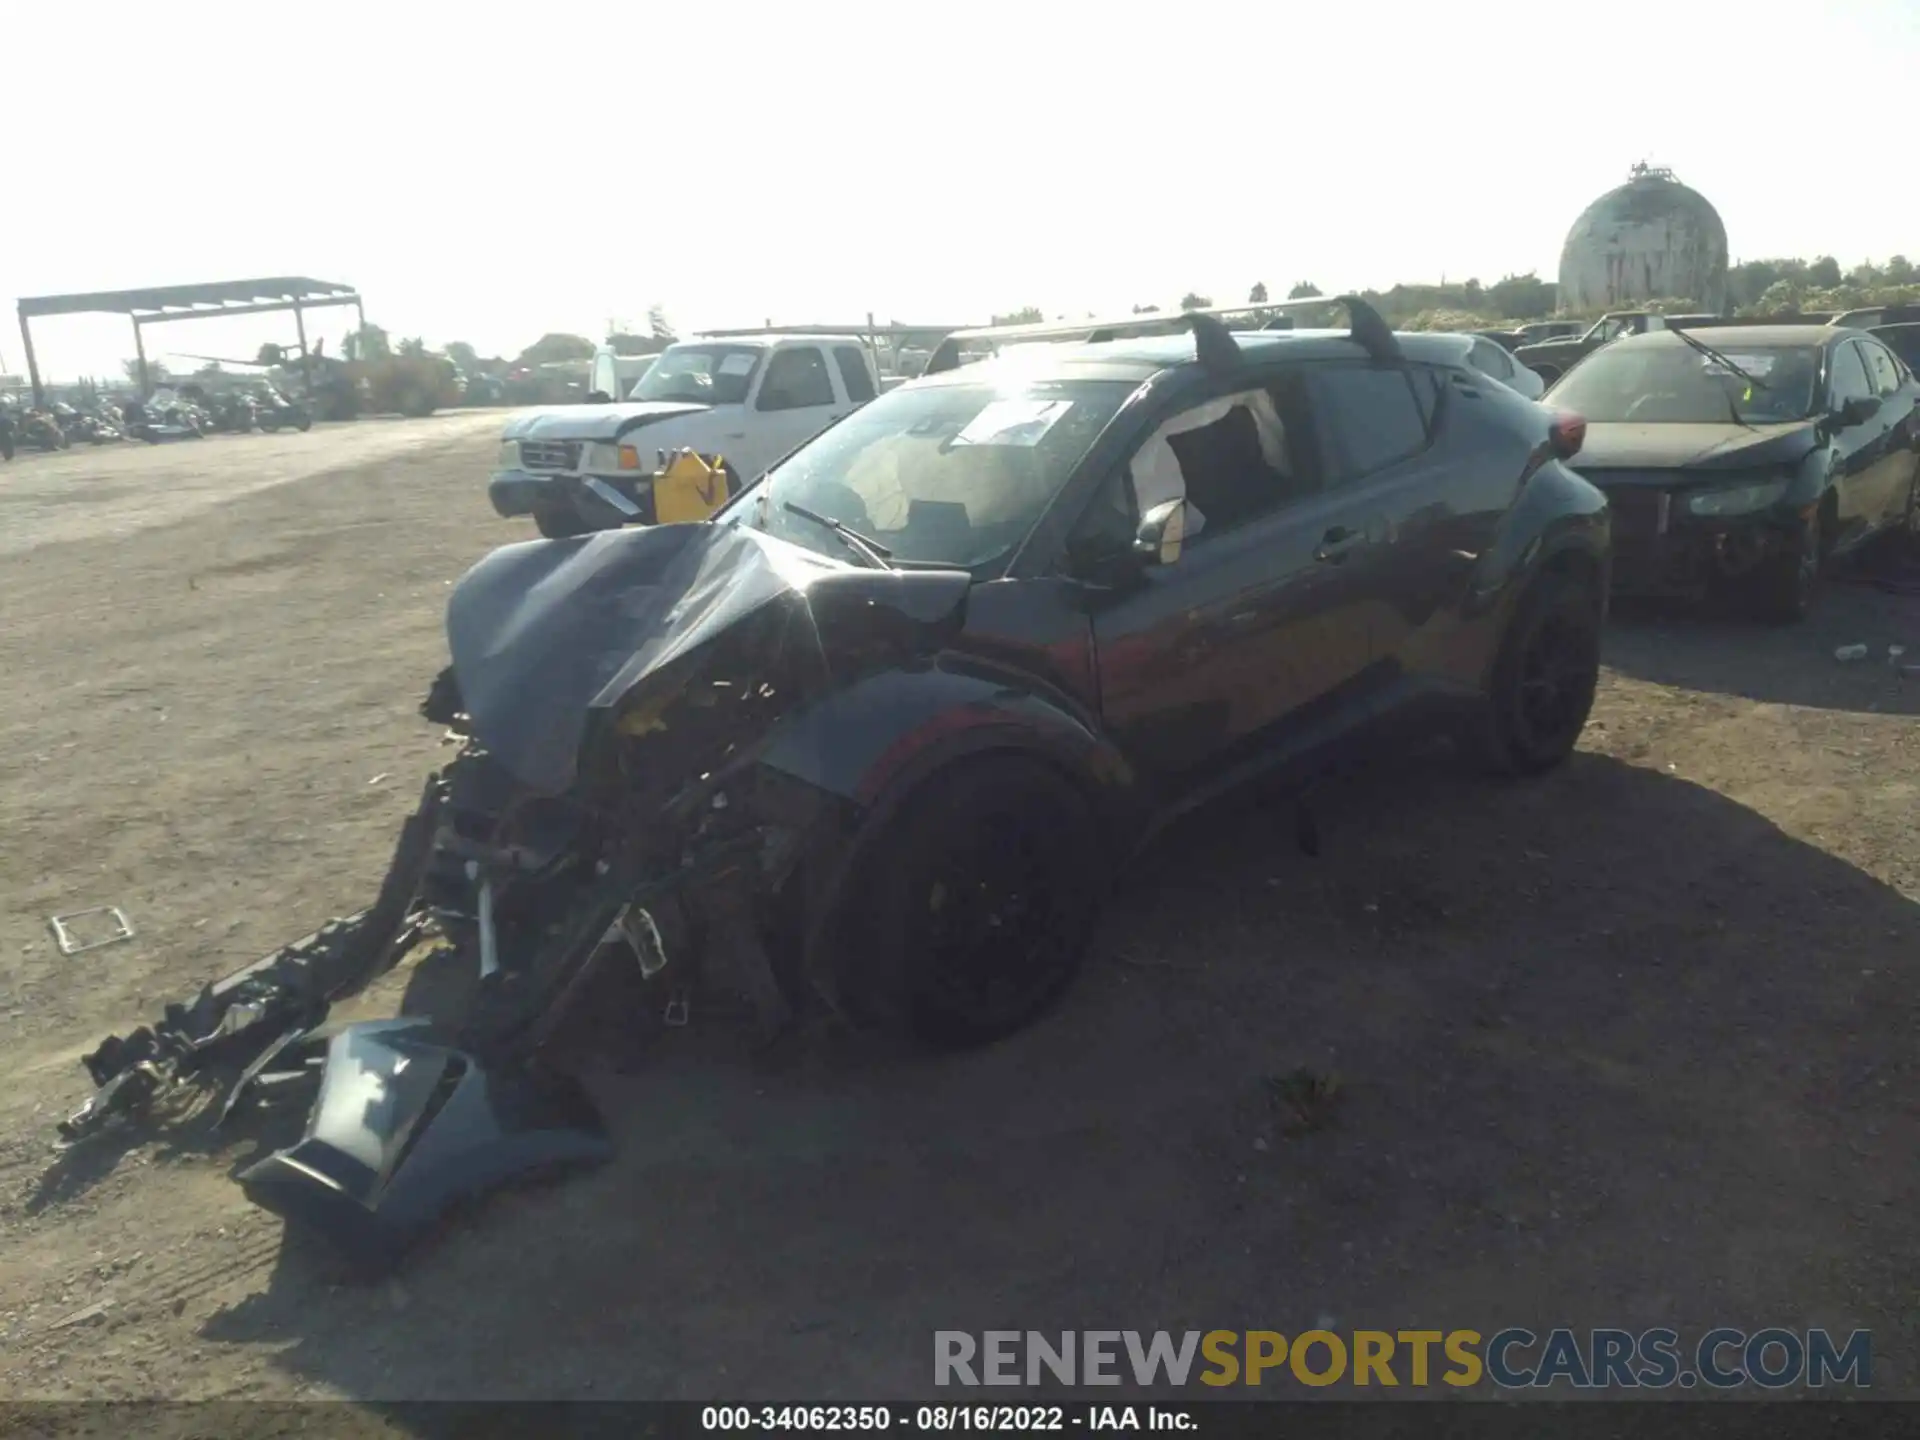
[(1651, 239)]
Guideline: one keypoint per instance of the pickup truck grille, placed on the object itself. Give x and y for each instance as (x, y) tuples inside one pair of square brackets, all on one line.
[(550, 454)]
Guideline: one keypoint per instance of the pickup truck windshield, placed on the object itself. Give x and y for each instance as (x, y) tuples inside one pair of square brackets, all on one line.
[(1680, 386), (947, 475), (700, 374)]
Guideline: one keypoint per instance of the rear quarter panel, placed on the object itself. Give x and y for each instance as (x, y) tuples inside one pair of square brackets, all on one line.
[(1502, 503), (1541, 516)]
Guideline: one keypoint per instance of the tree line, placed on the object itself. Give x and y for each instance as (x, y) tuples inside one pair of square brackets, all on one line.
[(1754, 287)]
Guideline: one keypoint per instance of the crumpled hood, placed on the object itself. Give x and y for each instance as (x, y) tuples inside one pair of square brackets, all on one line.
[(595, 422), (1692, 447), (546, 632)]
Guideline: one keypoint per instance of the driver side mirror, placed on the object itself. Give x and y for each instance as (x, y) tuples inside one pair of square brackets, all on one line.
[(1857, 411), (1162, 533)]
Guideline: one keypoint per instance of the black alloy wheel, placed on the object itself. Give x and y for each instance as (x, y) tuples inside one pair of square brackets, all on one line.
[(979, 903), (1786, 585), (1544, 681)]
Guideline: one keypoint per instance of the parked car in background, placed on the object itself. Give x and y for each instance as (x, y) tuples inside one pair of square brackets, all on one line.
[(1903, 339), (1535, 331), (1874, 316), (1746, 457), (747, 402), (1480, 352), (1552, 358)]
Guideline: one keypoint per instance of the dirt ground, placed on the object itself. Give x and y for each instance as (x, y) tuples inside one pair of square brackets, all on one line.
[(1632, 1046)]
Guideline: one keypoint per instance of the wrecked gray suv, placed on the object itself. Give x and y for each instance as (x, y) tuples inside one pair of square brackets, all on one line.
[(873, 741)]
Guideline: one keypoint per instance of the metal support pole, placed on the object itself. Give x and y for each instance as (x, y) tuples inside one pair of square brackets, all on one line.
[(306, 358), (33, 365), (140, 354)]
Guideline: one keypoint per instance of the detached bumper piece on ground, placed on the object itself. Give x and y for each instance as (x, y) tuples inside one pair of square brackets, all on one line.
[(409, 1118)]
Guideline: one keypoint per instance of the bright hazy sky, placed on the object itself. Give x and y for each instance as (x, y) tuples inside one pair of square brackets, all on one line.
[(490, 172)]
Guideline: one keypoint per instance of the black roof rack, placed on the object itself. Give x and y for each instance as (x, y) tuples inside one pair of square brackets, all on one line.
[(1214, 344)]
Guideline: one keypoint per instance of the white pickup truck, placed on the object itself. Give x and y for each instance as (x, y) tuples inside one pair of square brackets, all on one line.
[(747, 401)]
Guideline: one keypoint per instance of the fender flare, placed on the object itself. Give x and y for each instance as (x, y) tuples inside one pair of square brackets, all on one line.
[(1558, 519)]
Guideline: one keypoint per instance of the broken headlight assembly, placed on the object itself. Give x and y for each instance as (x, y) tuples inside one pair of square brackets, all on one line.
[(1747, 498)]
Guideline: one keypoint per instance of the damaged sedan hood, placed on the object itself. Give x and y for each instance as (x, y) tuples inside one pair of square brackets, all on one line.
[(543, 634), (1690, 447)]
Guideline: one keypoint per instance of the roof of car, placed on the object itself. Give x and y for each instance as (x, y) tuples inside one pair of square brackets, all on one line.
[(1746, 337), (766, 340), (1142, 357)]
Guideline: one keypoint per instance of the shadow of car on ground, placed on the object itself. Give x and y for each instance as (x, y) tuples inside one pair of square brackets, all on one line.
[(1610, 1050), (1707, 647)]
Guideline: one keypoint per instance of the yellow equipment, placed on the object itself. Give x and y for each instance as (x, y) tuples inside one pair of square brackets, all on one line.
[(689, 489)]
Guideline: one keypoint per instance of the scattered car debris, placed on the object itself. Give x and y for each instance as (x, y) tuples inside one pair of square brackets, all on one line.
[(69, 940), (1306, 1099), (96, 1311)]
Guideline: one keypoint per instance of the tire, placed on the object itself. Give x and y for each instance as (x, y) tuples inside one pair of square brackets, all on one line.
[(303, 424), (1784, 587), (1000, 843), (559, 527), (1544, 679), (1909, 541)]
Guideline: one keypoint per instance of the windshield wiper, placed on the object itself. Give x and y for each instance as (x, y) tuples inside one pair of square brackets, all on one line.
[(872, 551), (1733, 406)]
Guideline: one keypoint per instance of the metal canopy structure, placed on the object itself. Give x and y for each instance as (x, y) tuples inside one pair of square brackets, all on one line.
[(187, 302)]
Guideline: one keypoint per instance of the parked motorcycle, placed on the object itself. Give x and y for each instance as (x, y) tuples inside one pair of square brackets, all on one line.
[(82, 425), (145, 422), (42, 430), (235, 414), (277, 412)]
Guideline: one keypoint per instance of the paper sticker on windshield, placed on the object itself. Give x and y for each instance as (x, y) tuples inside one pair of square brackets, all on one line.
[(736, 364), (1755, 365), (1013, 422)]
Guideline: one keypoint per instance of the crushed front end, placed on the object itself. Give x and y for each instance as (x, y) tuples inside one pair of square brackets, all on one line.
[(1675, 537), (605, 809)]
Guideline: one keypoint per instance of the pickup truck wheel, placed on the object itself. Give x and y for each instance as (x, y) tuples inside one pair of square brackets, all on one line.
[(1544, 679), (1784, 587), (976, 912)]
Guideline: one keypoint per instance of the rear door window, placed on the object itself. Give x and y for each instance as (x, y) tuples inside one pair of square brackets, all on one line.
[(1849, 380), (1881, 369), (1369, 418), (796, 380), (1492, 359), (853, 373)]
